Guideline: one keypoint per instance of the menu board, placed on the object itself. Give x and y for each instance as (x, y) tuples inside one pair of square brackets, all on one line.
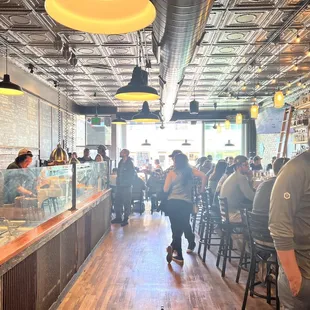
[(19, 121)]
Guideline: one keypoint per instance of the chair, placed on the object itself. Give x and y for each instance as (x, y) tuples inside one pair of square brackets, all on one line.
[(261, 247), (210, 219), (228, 229)]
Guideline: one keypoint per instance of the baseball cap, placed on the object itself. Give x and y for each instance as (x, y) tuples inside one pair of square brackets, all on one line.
[(239, 160), (174, 153), (24, 152), (102, 147), (257, 158)]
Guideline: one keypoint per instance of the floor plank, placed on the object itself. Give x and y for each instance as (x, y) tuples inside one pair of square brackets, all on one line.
[(129, 271)]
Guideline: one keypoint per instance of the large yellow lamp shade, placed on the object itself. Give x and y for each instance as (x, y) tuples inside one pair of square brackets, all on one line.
[(102, 16), (227, 124), (254, 111), (278, 100), (239, 119)]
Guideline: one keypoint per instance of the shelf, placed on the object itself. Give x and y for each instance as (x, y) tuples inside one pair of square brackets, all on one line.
[(301, 142), (299, 126), (305, 105)]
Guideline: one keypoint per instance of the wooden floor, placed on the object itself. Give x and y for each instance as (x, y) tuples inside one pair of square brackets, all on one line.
[(129, 271)]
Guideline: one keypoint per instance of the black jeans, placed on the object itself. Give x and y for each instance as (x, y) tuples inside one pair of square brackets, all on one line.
[(123, 202), (179, 212)]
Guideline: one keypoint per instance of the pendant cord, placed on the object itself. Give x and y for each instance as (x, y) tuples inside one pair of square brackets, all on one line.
[(6, 59)]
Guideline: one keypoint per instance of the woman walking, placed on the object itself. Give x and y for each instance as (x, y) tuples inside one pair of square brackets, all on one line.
[(179, 186)]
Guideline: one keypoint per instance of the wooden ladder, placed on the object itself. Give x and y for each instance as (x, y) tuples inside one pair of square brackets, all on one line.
[(285, 132)]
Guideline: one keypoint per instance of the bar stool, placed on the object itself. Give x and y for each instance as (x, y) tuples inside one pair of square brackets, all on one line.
[(261, 246), (210, 219), (228, 229)]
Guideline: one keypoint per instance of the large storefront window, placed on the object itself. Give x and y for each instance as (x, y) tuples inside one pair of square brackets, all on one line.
[(163, 142), (215, 141)]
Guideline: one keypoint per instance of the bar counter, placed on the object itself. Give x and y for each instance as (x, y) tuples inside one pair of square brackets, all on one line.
[(37, 266)]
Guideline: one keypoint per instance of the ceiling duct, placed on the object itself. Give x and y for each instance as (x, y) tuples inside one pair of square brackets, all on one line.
[(178, 31)]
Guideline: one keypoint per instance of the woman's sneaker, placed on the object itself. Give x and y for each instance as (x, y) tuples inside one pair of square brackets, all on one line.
[(191, 247), (169, 254), (178, 259)]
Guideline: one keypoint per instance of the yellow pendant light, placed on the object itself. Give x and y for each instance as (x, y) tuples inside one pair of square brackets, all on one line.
[(239, 119), (145, 116), (219, 128), (137, 89), (254, 111), (278, 100), (227, 124), (102, 16)]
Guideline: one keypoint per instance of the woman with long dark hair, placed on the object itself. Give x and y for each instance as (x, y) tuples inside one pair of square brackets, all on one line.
[(218, 172), (179, 186)]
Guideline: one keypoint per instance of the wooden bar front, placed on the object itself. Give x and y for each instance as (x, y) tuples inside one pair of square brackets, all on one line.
[(37, 266)]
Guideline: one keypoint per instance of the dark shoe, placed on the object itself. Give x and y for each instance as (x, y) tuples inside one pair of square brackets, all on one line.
[(169, 254), (124, 223), (116, 221), (178, 259), (191, 247)]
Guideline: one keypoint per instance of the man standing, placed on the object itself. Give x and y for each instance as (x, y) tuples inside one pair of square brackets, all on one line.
[(257, 164), (124, 181), (86, 157), (102, 151), (289, 225)]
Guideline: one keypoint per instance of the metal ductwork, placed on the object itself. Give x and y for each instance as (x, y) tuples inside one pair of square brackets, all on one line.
[(178, 31)]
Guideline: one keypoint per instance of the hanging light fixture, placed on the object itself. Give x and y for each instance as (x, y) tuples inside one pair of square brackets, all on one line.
[(239, 119), (297, 39), (299, 84), (254, 111), (145, 116), (243, 88), (259, 69), (308, 52), (258, 86), (227, 124), (137, 89), (59, 156), (304, 85), (8, 88), (186, 143), (229, 143), (215, 126), (273, 81), (119, 121), (278, 99), (219, 128), (296, 67), (288, 92), (145, 143), (102, 17)]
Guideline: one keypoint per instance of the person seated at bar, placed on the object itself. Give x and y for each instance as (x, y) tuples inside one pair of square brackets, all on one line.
[(261, 203), (217, 174), (257, 164), (21, 182), (86, 157), (237, 189), (289, 225)]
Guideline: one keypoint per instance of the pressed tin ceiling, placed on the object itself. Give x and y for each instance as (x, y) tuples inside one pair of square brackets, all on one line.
[(235, 44)]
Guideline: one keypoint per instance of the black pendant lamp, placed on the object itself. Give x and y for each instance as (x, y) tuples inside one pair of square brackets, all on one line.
[(145, 143), (137, 89), (146, 116), (8, 88), (119, 121), (194, 107), (186, 143), (229, 143)]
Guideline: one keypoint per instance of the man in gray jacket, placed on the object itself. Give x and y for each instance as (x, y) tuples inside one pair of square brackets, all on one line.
[(289, 224)]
